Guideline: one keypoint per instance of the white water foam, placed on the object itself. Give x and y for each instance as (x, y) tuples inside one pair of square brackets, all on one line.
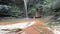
[(14, 26)]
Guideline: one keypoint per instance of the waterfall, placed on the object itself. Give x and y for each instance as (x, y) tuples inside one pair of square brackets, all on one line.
[(25, 7)]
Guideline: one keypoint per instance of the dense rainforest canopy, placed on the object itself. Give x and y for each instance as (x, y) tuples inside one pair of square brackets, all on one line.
[(15, 8)]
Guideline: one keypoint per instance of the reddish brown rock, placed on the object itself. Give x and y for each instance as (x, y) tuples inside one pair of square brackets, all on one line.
[(38, 28)]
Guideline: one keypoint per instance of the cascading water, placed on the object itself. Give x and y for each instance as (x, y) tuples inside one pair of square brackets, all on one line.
[(25, 6)]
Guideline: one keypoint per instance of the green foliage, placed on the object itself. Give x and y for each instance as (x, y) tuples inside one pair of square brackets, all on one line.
[(48, 7), (32, 11)]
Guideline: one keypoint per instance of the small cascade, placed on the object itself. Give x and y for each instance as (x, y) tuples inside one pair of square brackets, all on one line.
[(25, 7)]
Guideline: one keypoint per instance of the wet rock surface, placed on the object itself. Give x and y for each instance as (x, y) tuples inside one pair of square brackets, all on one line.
[(39, 27)]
